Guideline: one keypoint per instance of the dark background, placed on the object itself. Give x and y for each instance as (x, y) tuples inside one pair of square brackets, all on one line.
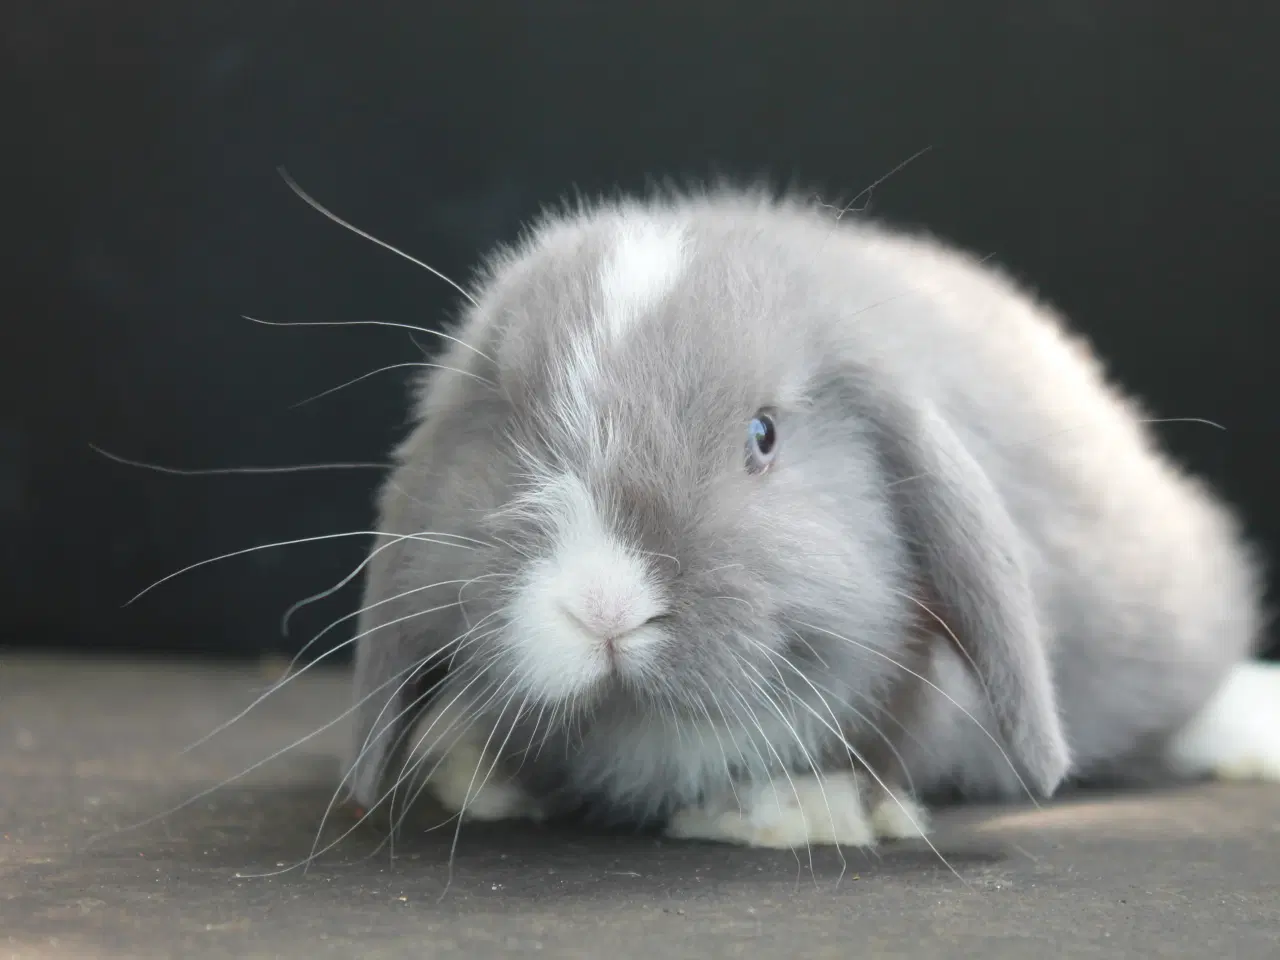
[(1119, 156)]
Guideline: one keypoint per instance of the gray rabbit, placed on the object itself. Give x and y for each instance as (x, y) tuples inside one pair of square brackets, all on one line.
[(724, 513)]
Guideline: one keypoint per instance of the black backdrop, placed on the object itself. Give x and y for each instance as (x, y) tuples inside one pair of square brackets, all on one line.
[(1121, 156)]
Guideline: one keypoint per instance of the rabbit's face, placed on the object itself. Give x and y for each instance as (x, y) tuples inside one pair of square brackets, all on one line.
[(684, 495), (695, 490)]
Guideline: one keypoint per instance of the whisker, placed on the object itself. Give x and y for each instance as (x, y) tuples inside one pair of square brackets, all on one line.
[(905, 810), (370, 739), (244, 773), (782, 766), (848, 706), (520, 551), (766, 769), (955, 640), (409, 771), (723, 566), (763, 766), (809, 760), (533, 733), (387, 369), (291, 676), (290, 543), (377, 603), (484, 751), (869, 721), (420, 754), (372, 323), (413, 767), (853, 751), (411, 669), (315, 204), (874, 304), (553, 724), (728, 770), (976, 722), (459, 643), (288, 614), (229, 471)]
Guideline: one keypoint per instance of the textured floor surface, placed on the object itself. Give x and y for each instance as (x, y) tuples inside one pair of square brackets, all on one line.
[(89, 746)]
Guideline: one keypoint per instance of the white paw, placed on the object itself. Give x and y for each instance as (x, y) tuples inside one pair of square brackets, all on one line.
[(802, 812), (1237, 734), (466, 779), (899, 819)]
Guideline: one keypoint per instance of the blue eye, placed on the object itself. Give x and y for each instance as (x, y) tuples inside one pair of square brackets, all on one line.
[(762, 442)]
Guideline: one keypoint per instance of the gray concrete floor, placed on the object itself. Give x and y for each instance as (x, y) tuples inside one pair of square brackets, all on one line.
[(89, 746)]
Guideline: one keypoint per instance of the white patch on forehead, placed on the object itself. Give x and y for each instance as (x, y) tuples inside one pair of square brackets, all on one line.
[(646, 261)]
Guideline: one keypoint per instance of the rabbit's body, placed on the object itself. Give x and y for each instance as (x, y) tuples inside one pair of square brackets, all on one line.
[(1145, 592), (661, 627)]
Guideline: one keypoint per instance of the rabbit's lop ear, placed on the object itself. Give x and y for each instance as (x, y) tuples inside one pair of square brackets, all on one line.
[(970, 556), (389, 696)]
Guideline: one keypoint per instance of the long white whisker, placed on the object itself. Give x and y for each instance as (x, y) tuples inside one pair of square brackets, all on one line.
[(766, 768), (408, 771), (808, 757), (389, 368), (368, 813), (553, 723), (812, 650), (229, 471), (244, 773), (533, 733), (424, 754), (376, 732), (848, 706), (459, 643), (955, 640), (293, 675), (392, 748), (290, 543), (315, 204), (782, 766), (762, 764), (906, 811), (484, 751), (412, 769), (408, 709), (372, 323), (418, 756), (377, 603), (853, 751), (728, 769), (288, 614), (987, 733)]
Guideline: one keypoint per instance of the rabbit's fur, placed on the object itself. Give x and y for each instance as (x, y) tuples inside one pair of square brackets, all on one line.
[(968, 564)]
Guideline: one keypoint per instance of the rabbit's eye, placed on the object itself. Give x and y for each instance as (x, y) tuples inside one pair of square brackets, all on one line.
[(762, 441)]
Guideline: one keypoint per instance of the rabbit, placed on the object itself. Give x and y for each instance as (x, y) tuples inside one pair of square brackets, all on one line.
[(722, 513)]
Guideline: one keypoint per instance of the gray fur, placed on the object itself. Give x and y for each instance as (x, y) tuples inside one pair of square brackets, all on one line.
[(940, 438)]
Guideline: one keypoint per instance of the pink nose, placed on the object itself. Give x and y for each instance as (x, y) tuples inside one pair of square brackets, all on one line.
[(605, 622)]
